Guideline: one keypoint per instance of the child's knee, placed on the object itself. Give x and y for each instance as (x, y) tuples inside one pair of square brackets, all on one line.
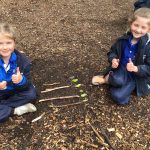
[(118, 82), (119, 99)]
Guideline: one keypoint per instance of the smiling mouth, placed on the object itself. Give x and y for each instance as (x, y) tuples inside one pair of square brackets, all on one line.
[(4, 52), (138, 34)]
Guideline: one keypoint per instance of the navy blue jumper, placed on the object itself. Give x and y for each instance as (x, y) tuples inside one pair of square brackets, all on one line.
[(139, 80), (15, 94)]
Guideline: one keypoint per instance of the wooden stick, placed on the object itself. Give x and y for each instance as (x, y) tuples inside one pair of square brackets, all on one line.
[(59, 106), (49, 90), (38, 118), (87, 143), (58, 98), (101, 140), (47, 84), (106, 137)]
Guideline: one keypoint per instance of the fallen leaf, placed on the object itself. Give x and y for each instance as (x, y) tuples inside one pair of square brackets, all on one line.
[(78, 85), (74, 80), (83, 95)]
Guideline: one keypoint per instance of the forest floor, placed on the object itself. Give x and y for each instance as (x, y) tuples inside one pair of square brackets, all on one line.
[(67, 41)]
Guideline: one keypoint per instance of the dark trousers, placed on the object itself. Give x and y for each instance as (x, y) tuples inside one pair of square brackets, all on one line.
[(12, 99), (122, 85)]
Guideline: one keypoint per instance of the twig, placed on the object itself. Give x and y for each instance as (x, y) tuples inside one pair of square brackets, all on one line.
[(106, 137), (38, 118), (87, 143), (63, 97), (47, 84), (101, 140), (59, 106), (49, 90)]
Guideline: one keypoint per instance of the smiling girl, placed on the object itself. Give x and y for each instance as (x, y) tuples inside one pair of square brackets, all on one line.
[(129, 59), (16, 90)]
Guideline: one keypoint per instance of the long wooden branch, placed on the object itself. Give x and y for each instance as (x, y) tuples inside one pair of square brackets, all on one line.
[(59, 98), (49, 90)]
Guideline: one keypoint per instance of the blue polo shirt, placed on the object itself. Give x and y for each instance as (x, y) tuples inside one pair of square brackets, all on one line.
[(129, 51)]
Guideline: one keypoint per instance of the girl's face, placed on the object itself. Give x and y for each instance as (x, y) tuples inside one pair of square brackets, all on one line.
[(139, 27), (7, 46)]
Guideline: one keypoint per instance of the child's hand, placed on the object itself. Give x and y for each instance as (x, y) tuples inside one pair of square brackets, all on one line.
[(16, 78), (3, 85), (131, 67), (115, 63)]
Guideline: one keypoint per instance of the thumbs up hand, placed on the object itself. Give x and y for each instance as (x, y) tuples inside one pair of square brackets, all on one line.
[(16, 78), (3, 85), (115, 63), (131, 67)]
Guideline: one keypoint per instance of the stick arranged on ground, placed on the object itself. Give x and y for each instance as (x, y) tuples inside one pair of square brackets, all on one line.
[(49, 84), (49, 90), (72, 104), (58, 98)]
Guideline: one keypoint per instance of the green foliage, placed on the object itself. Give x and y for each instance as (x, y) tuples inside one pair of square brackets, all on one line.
[(83, 93), (74, 80), (78, 85)]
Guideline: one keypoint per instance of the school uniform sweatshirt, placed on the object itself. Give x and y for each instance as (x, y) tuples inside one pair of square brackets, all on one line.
[(17, 59)]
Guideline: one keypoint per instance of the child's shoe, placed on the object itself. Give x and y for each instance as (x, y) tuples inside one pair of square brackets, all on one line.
[(24, 109), (97, 80)]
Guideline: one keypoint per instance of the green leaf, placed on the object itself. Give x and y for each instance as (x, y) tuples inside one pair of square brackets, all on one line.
[(81, 91), (74, 80), (83, 95), (78, 85)]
